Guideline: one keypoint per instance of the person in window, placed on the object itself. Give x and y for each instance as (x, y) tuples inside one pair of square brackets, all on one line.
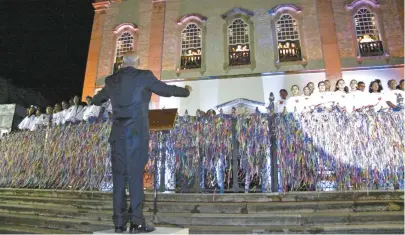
[(281, 103), (366, 38)]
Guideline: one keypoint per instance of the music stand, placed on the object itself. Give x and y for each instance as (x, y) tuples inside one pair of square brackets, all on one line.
[(160, 120)]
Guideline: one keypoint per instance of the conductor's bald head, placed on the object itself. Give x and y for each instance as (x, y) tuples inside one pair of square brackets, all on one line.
[(131, 58)]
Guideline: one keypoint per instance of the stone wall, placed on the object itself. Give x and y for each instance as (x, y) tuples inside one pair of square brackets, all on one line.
[(389, 25), (140, 13), (215, 46)]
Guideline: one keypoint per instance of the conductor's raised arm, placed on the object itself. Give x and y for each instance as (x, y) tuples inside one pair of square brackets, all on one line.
[(100, 97), (162, 89)]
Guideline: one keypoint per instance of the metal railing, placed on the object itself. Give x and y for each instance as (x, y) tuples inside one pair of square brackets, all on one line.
[(374, 48), (190, 62), (264, 152)]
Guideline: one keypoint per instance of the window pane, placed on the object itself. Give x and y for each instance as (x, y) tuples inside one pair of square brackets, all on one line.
[(191, 47)]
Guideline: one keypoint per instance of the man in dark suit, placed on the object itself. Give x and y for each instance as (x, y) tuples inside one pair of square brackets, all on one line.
[(130, 90)]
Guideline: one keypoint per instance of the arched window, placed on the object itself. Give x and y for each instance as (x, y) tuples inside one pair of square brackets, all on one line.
[(238, 43), (367, 33), (288, 40), (125, 43), (191, 47)]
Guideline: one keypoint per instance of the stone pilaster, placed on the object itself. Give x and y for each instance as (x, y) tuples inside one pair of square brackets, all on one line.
[(330, 47), (156, 39), (100, 8)]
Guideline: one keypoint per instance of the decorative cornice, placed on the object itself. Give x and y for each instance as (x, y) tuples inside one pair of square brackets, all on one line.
[(241, 102), (355, 3), (195, 16), (236, 11), (101, 6), (124, 26), (284, 7)]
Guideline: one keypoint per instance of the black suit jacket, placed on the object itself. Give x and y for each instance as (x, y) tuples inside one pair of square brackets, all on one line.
[(130, 91)]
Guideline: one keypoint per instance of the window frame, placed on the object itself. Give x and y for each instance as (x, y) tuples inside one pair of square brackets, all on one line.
[(182, 24), (276, 13), (374, 8), (118, 32), (229, 17), (298, 37)]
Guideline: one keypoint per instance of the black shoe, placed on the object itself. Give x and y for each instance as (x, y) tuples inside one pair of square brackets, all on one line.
[(134, 228), (120, 229)]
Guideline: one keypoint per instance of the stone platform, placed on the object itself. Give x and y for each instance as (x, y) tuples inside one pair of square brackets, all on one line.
[(159, 230), (84, 212)]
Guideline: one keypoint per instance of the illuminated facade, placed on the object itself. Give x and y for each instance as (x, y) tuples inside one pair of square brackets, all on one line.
[(226, 52)]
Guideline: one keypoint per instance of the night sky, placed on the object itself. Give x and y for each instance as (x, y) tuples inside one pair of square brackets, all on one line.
[(44, 45)]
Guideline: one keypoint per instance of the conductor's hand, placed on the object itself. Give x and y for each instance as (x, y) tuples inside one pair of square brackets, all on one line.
[(188, 88)]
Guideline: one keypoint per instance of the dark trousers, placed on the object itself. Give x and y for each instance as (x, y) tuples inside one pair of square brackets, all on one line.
[(128, 157)]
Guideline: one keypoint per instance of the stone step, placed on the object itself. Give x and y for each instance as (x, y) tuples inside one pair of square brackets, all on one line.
[(67, 225), (331, 229), (16, 229), (189, 219), (231, 197), (213, 207)]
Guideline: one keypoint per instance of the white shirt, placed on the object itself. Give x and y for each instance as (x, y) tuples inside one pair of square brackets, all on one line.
[(74, 114), (378, 100), (57, 118), (295, 104), (321, 99), (307, 103), (91, 111), (26, 123), (392, 96), (62, 116), (39, 121), (280, 105)]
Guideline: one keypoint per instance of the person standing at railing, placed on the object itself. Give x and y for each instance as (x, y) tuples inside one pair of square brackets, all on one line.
[(377, 99), (361, 86), (90, 112), (75, 112), (281, 103), (294, 103), (26, 123), (311, 87), (307, 99), (130, 90), (340, 96), (327, 86), (322, 99)]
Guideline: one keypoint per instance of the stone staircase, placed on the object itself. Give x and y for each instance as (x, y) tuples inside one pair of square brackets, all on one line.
[(53, 211)]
